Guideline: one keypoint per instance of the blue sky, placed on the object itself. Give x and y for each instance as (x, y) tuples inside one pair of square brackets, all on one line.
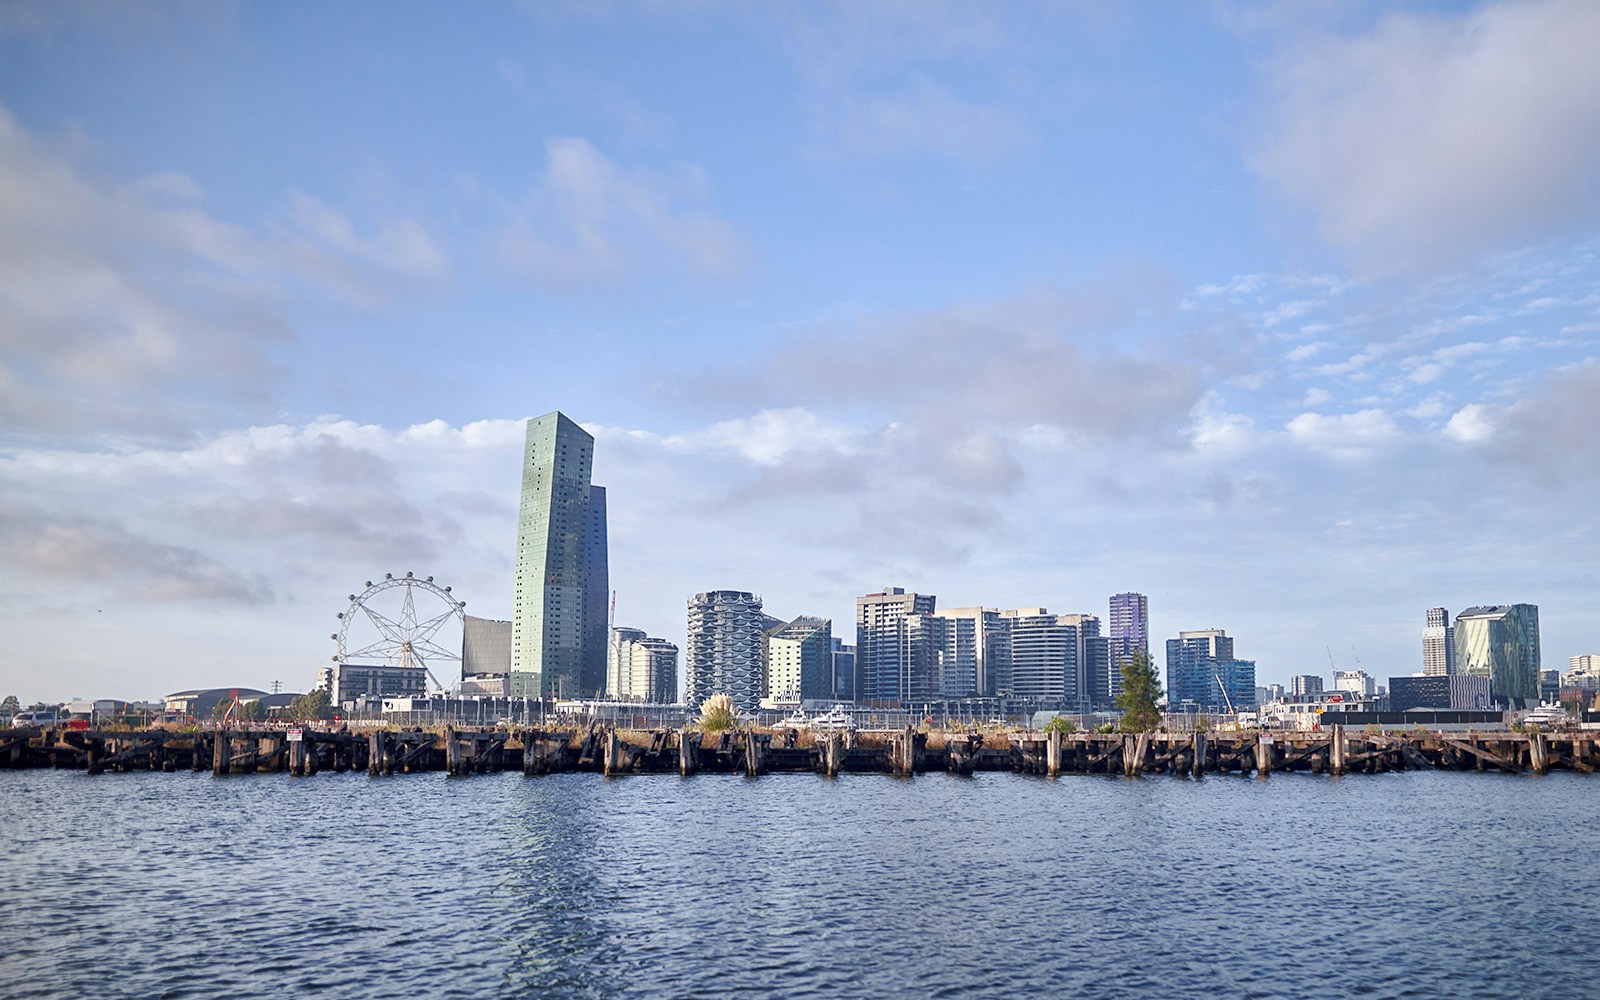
[(1286, 315)]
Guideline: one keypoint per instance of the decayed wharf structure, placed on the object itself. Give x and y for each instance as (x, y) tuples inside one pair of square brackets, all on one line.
[(908, 752)]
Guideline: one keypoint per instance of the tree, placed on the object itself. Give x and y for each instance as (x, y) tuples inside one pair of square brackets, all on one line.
[(1061, 724), (1141, 690), (11, 706), (252, 710), (312, 705)]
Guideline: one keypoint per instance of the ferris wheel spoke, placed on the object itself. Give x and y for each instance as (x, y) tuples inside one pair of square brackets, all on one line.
[(408, 610), (386, 650), (425, 630), (391, 630), (432, 652)]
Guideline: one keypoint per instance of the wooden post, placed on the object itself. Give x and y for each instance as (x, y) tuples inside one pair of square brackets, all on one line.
[(831, 747), (1337, 749), (1263, 754), (1052, 753), (1141, 749), (1538, 753), (1199, 753), (455, 760), (221, 747), (611, 756), (752, 754), (688, 752)]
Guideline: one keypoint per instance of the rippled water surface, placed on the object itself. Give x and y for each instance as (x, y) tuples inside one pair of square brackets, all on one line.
[(186, 885)]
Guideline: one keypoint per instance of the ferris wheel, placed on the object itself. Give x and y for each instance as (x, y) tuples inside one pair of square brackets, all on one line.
[(385, 625)]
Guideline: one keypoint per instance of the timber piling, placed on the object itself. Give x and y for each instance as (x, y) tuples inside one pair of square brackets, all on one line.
[(306, 751)]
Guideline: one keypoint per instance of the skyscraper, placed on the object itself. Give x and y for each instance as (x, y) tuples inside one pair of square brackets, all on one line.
[(1438, 644), (561, 554), (1127, 633), (894, 655), (726, 628), (1501, 642), (596, 593)]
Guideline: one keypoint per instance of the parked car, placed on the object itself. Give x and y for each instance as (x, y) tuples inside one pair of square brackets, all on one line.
[(42, 720)]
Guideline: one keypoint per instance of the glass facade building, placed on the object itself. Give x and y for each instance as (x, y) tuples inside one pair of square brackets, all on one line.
[(556, 649), (1127, 633), (1501, 642)]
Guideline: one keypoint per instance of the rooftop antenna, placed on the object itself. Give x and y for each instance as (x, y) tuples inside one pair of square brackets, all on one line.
[(611, 618)]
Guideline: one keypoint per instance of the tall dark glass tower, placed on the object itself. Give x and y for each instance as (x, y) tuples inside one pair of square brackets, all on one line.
[(561, 557)]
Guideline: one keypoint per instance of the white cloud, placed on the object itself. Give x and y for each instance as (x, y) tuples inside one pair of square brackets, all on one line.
[(1306, 351), (1344, 435), (589, 222), (1430, 136), (1472, 424)]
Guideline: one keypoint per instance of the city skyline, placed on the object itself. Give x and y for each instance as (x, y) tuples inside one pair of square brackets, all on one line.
[(1265, 313)]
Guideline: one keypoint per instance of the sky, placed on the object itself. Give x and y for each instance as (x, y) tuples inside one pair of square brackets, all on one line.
[(1287, 316)]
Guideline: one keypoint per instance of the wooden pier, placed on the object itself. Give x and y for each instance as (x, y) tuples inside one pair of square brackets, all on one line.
[(905, 753)]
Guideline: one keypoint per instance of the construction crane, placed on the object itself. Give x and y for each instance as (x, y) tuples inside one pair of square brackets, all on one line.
[(611, 618), (1224, 689), (1332, 665)]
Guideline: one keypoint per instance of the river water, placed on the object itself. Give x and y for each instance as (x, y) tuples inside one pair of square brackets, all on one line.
[(187, 885)]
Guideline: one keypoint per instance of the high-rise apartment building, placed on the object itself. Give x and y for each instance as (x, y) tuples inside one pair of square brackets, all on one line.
[(799, 661), (1305, 685), (1438, 644), (974, 653), (641, 668), (1044, 656), (1127, 633), (1501, 642), (1192, 660), (1093, 660), (895, 656), (556, 649), (726, 628)]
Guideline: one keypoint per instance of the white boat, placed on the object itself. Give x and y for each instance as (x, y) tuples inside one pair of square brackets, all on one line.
[(799, 720), (836, 720), (1546, 715)]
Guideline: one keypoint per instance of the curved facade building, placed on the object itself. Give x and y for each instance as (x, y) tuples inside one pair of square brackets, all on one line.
[(724, 647)]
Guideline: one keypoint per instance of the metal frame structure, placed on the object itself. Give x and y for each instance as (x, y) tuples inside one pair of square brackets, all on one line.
[(405, 640)]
